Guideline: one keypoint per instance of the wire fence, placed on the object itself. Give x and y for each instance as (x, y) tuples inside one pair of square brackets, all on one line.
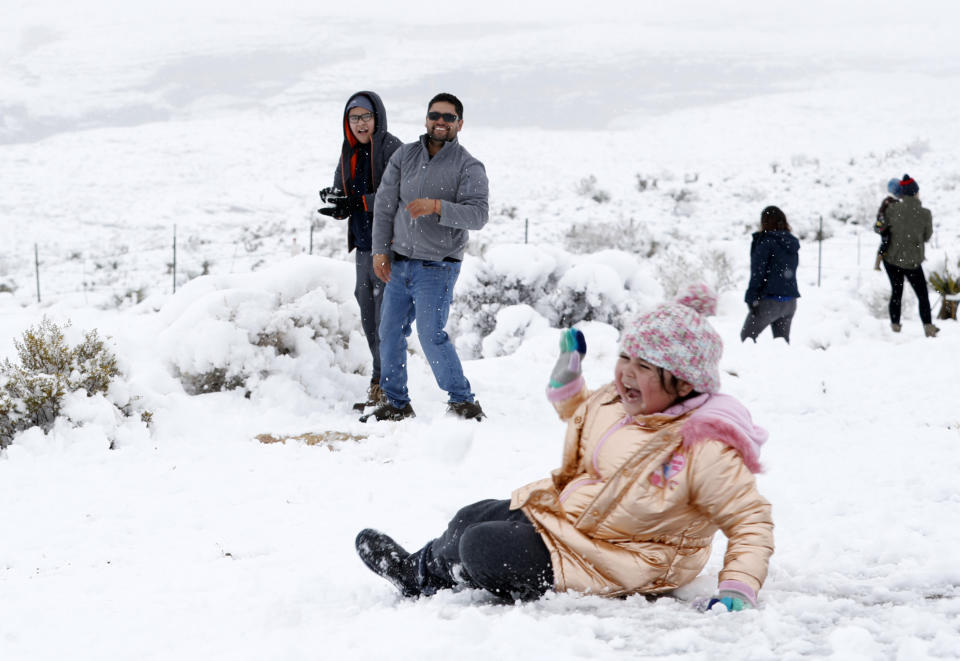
[(144, 264), (156, 264)]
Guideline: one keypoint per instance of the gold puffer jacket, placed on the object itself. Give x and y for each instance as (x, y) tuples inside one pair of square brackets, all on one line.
[(636, 502)]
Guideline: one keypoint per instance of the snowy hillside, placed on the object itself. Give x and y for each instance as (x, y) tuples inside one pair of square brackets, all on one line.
[(628, 152)]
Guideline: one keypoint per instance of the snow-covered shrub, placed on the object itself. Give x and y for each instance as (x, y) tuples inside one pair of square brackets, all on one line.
[(645, 182), (626, 234), (680, 268), (586, 292), (810, 230), (508, 274), (296, 321), (683, 201), (33, 391), (587, 187), (514, 324)]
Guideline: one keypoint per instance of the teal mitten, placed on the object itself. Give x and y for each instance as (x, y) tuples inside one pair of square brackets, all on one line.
[(734, 595), (573, 347)]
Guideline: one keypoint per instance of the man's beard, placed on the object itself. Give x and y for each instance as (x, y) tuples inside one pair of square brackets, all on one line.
[(449, 137)]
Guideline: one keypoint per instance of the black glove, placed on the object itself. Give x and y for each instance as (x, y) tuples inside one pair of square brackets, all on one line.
[(341, 206), (327, 193)]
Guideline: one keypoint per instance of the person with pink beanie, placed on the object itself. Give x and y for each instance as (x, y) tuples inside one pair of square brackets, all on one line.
[(654, 463)]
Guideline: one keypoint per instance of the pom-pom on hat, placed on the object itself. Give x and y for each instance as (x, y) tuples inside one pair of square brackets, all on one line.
[(893, 187), (908, 186), (677, 337)]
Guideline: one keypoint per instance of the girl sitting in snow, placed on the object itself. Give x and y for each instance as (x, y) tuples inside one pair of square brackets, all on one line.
[(654, 464)]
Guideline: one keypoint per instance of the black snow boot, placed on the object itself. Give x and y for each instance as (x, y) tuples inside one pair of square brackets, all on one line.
[(386, 558)]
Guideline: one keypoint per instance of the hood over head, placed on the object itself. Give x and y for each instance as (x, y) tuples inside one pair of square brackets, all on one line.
[(371, 101)]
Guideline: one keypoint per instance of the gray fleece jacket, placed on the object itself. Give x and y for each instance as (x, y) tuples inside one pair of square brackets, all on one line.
[(454, 176)]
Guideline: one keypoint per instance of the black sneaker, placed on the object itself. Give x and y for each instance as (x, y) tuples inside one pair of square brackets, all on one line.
[(466, 410), (386, 558), (388, 411)]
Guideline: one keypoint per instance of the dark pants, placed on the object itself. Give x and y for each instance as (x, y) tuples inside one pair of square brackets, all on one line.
[(919, 283), (487, 545), (369, 294), (769, 312)]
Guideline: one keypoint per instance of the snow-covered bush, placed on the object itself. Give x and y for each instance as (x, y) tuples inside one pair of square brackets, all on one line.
[(509, 274), (587, 292), (295, 321), (49, 371), (627, 234), (587, 187), (514, 324), (680, 268)]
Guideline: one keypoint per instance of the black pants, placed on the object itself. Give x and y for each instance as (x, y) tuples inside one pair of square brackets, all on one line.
[(919, 283), (487, 545), (369, 294), (769, 312)]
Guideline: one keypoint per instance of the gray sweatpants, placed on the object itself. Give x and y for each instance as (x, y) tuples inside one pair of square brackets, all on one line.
[(769, 312), (369, 294)]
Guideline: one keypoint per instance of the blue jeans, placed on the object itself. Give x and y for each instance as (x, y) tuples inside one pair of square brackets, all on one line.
[(420, 290)]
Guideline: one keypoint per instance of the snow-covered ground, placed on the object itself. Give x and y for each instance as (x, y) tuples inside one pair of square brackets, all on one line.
[(633, 149)]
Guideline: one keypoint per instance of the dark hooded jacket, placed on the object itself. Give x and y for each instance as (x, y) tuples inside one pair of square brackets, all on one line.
[(911, 226), (773, 266), (361, 168)]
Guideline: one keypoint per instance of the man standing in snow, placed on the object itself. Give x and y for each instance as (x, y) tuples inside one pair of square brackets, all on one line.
[(367, 147), (432, 193), (911, 226)]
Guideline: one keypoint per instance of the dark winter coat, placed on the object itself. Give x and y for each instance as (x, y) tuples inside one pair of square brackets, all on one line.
[(910, 225), (375, 154), (773, 266)]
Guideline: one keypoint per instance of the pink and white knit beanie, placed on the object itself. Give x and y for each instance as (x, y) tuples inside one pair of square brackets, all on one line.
[(677, 337)]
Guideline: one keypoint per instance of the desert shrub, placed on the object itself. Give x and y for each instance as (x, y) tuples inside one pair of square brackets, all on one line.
[(587, 187), (238, 332), (627, 234), (514, 324), (510, 275), (645, 182), (713, 266), (683, 201), (587, 292), (810, 230), (216, 379), (947, 285), (33, 389)]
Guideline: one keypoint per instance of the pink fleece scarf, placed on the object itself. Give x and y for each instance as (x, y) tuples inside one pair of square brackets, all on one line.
[(723, 418)]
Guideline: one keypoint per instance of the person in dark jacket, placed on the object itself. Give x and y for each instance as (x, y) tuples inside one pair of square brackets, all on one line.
[(367, 147), (772, 294), (910, 225)]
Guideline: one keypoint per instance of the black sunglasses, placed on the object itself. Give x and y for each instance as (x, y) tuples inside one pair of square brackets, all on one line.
[(447, 116)]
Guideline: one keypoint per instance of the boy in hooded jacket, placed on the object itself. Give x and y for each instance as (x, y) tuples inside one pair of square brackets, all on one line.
[(367, 147)]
